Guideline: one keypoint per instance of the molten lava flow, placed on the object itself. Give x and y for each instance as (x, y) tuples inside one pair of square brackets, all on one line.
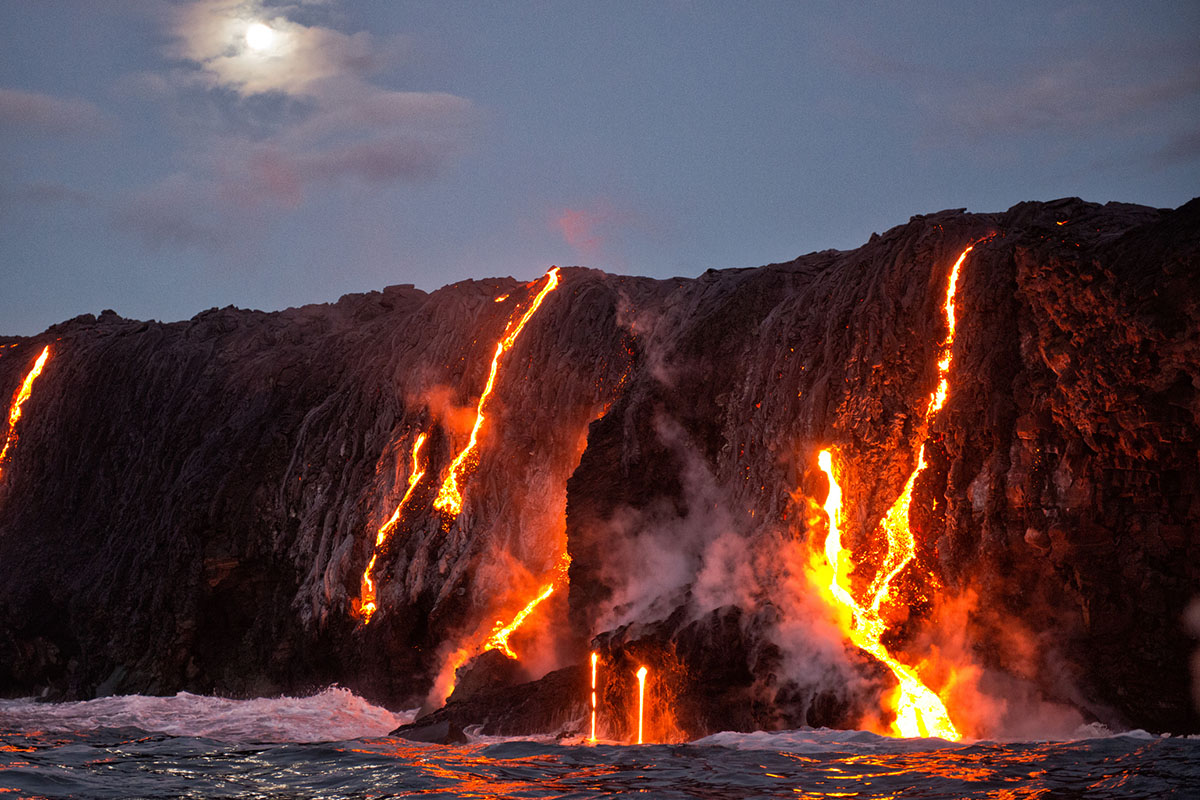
[(593, 736), (449, 498), (919, 712), (14, 410), (641, 676), (366, 605), (499, 638)]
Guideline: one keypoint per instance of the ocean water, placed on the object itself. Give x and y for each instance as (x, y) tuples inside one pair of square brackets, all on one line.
[(335, 745)]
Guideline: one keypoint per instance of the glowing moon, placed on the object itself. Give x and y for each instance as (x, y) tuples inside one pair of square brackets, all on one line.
[(259, 37)]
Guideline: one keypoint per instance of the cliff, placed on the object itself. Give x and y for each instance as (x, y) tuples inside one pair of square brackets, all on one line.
[(191, 506)]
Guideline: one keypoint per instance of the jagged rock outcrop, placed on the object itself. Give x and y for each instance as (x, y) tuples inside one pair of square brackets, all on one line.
[(191, 505)]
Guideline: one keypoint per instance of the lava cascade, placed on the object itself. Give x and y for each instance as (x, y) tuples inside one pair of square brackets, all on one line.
[(366, 603), (592, 738), (449, 498), (641, 678), (499, 638), (919, 711), (14, 410)]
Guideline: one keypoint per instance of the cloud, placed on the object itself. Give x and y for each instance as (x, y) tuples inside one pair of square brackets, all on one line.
[(211, 34), (50, 194), (180, 210), (45, 114), (1181, 149), (1071, 96), (298, 117), (597, 231)]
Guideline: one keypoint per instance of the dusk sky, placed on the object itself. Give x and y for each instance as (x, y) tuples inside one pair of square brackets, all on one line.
[(161, 158)]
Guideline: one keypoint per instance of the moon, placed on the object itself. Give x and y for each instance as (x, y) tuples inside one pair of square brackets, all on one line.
[(259, 37)]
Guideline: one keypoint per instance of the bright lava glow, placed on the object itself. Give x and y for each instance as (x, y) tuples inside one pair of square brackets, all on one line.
[(366, 605), (259, 37), (500, 633), (449, 498), (641, 676), (14, 410), (593, 736), (499, 637), (919, 711)]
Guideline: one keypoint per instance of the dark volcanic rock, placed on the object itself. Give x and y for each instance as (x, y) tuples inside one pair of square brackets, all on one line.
[(191, 505), (444, 732), (555, 704)]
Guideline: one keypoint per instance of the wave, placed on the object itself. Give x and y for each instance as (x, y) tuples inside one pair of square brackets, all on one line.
[(826, 740), (335, 714)]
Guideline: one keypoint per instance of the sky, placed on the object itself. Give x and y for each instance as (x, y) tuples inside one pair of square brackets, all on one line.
[(162, 158)]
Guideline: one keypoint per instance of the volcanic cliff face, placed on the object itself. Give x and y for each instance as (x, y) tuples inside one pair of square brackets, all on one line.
[(192, 505)]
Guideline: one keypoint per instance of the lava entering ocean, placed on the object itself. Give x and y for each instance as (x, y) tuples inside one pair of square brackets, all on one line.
[(449, 497), (14, 410), (919, 711)]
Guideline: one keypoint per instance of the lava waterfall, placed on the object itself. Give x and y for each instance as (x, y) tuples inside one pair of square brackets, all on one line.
[(964, 454)]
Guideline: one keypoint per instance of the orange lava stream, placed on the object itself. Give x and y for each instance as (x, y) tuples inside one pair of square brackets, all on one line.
[(919, 711), (449, 498), (366, 606), (14, 411), (593, 736), (499, 638), (641, 676)]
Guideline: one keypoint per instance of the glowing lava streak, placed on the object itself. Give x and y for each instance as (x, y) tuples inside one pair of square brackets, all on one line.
[(366, 605), (14, 411), (641, 676), (449, 499), (919, 712), (499, 638), (593, 737)]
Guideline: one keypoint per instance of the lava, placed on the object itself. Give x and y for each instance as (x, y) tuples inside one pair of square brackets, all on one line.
[(500, 633), (14, 410), (366, 604), (499, 638), (641, 676), (449, 497), (919, 711), (593, 736)]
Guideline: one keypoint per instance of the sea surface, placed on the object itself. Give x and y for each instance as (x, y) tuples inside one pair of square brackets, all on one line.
[(335, 745)]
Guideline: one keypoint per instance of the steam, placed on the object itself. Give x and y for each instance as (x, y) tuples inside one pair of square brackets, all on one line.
[(655, 555), (456, 418), (1191, 623), (657, 559), (987, 702)]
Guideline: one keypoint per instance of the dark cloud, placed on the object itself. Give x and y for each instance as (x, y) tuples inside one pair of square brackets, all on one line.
[(1181, 149), (51, 194), (180, 211), (45, 114), (1068, 97), (297, 118)]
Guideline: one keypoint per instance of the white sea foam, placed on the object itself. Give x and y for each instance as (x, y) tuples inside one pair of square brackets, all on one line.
[(335, 714), (821, 740), (826, 740)]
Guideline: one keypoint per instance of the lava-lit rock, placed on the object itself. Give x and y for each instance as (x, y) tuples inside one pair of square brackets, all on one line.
[(443, 732), (190, 506)]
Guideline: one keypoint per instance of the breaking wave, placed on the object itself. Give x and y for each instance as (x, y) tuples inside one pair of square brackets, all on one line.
[(335, 714)]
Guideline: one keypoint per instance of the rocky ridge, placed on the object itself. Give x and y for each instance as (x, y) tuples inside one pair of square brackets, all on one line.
[(190, 505)]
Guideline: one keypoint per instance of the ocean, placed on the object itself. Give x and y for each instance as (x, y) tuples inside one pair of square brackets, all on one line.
[(335, 745)]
